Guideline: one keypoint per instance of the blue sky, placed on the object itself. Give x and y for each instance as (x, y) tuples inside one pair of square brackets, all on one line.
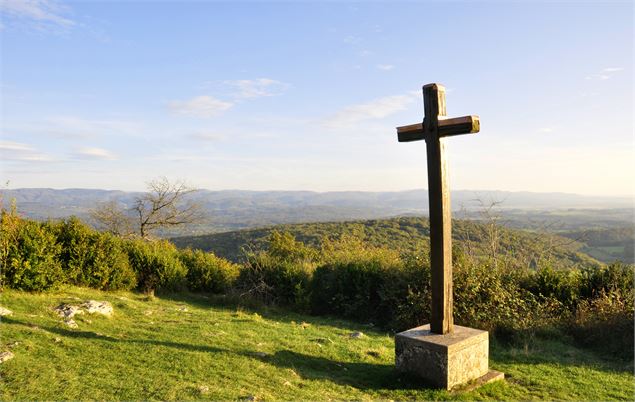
[(307, 95)]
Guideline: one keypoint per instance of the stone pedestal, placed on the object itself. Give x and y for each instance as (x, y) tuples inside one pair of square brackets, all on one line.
[(444, 361)]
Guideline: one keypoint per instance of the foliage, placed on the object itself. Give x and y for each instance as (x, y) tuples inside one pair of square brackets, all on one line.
[(207, 272), (281, 274), (605, 322), (358, 282), (157, 265), (409, 234), (31, 259), (93, 259)]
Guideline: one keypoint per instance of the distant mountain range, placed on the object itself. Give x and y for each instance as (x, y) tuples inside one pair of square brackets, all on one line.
[(238, 209)]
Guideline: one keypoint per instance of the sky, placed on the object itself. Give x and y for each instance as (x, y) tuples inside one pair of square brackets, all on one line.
[(307, 95)]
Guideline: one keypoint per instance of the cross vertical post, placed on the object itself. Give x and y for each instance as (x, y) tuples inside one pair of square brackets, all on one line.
[(435, 127), (440, 212)]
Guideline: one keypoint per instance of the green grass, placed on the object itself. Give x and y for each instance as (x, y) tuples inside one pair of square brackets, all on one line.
[(151, 349)]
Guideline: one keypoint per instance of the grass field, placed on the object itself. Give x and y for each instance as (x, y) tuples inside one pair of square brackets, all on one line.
[(188, 347)]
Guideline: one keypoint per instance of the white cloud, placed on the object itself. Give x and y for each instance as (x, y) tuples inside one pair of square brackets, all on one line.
[(257, 88), (545, 130), (14, 146), (17, 151), (385, 67), (94, 153), (206, 136), (612, 69), (375, 109), (40, 13), (201, 106), (605, 74)]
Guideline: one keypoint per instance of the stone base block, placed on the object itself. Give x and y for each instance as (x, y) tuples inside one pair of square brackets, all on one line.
[(444, 361)]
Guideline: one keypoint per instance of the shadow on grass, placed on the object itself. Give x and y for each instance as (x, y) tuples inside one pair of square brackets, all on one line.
[(364, 376), (274, 313), (96, 336)]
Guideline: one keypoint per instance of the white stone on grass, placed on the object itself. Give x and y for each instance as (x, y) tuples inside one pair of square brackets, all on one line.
[(5, 311), (67, 311), (103, 307), (4, 356)]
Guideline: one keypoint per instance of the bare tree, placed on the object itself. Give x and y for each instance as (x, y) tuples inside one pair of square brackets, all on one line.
[(112, 217), (164, 204)]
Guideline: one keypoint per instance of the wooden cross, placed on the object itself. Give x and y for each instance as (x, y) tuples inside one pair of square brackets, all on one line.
[(434, 128)]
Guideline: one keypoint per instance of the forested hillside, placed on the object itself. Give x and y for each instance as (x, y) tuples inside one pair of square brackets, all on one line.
[(407, 234)]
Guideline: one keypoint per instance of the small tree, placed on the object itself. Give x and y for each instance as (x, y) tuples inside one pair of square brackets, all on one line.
[(164, 205)]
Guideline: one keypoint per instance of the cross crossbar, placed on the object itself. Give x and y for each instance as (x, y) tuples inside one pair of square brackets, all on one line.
[(447, 127)]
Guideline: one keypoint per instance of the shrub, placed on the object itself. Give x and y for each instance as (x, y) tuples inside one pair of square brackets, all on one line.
[(613, 278), (207, 272), (281, 274), (93, 259), (548, 283), (108, 267), (157, 265), (358, 282), (605, 323), (74, 239), (32, 259)]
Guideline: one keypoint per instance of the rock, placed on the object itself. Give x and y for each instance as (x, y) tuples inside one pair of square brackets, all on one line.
[(4, 356), (13, 345), (287, 383), (103, 307), (70, 322), (356, 335), (5, 311), (260, 354), (67, 310), (203, 389), (183, 309), (58, 339)]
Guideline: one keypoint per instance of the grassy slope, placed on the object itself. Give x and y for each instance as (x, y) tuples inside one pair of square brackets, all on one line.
[(405, 233), (153, 350)]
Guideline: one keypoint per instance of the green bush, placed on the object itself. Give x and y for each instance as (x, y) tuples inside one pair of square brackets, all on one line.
[(613, 278), (74, 239), (359, 282), (281, 274), (157, 265), (605, 323), (32, 258), (93, 259), (207, 272), (109, 267), (548, 283)]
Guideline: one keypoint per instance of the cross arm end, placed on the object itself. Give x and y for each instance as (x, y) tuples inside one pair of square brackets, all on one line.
[(412, 132)]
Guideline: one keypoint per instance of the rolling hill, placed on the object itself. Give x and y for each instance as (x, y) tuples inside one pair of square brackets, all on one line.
[(406, 234)]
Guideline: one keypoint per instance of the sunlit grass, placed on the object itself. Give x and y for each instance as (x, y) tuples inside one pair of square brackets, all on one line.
[(187, 347)]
